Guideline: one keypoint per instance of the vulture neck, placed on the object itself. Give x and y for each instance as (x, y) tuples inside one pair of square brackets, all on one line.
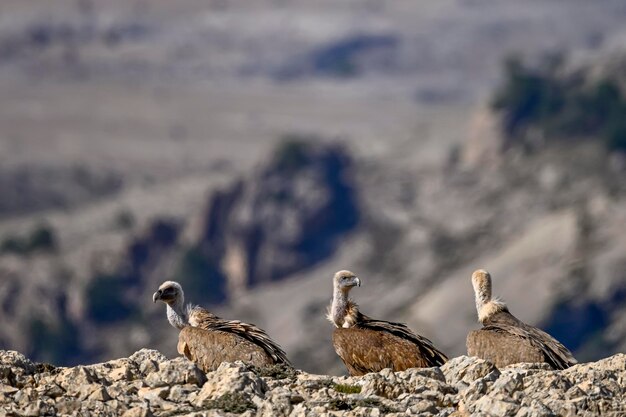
[(343, 310), (176, 314), (486, 306)]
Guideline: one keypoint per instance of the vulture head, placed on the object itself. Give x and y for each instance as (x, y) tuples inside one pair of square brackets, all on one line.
[(169, 292), (342, 311), (481, 281), (486, 306), (345, 280)]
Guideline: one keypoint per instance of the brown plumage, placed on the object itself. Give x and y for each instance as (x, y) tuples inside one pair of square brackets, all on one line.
[(209, 340), (504, 339), (368, 345)]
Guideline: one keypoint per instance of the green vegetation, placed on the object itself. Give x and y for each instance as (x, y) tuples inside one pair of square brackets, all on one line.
[(561, 106), (53, 342), (232, 403), (338, 404), (41, 239), (292, 153), (124, 220), (276, 371), (105, 299), (198, 274), (347, 389), (41, 368)]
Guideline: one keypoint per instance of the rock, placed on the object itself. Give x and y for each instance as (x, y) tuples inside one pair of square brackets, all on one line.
[(16, 361), (70, 378), (508, 383), (147, 360), (462, 387), (67, 406), (121, 369), (277, 403), (391, 385), (138, 412), (179, 393), (51, 390), (484, 143), (99, 394), (299, 204), (229, 378), (152, 394), (15, 368), (494, 407), (176, 371), (463, 370)]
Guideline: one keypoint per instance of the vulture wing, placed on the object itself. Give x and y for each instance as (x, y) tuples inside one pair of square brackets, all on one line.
[(208, 349), (504, 339), (555, 354), (431, 355), (366, 350), (552, 351), (372, 345), (203, 319), (501, 347)]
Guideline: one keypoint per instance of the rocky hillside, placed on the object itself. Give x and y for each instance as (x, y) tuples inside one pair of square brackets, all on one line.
[(148, 384), (283, 217), (140, 146), (542, 212)]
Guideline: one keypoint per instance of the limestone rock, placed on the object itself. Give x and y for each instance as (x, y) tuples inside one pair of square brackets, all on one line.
[(15, 368), (463, 370), (175, 371), (229, 378), (148, 384)]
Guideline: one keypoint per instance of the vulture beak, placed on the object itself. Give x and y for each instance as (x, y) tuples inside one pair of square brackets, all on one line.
[(358, 281), (156, 296)]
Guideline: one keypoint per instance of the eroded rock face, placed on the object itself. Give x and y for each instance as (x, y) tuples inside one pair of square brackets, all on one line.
[(148, 384), (297, 205)]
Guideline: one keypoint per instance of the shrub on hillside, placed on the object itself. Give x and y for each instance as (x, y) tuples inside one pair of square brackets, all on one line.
[(106, 301), (561, 106), (199, 276), (41, 239), (292, 152)]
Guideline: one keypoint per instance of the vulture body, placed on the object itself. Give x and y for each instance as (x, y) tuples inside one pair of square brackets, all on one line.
[(504, 339), (208, 349), (368, 345), (209, 340)]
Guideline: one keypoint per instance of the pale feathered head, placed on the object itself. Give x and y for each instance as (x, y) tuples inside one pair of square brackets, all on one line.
[(481, 281), (345, 280), (169, 292), (486, 305)]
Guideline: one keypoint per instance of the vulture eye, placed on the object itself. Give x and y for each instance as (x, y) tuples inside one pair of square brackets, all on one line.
[(169, 292)]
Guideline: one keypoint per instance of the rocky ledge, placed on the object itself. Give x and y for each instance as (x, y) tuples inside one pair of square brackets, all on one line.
[(149, 384)]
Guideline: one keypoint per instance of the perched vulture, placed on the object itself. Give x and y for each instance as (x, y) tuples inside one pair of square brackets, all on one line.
[(368, 345), (504, 339), (209, 340)]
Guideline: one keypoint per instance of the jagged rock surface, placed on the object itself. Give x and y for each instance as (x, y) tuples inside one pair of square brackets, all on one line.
[(149, 384), (297, 205)]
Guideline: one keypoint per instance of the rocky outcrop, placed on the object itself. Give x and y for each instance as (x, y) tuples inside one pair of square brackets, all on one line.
[(149, 384), (286, 216)]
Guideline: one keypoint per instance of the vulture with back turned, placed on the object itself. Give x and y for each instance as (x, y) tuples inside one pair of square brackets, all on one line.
[(209, 340), (504, 339), (368, 345)]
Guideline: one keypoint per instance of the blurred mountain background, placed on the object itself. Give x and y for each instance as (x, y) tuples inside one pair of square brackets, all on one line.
[(251, 149)]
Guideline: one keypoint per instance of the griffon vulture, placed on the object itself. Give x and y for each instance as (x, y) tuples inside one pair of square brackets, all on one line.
[(368, 345), (504, 339), (209, 340)]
